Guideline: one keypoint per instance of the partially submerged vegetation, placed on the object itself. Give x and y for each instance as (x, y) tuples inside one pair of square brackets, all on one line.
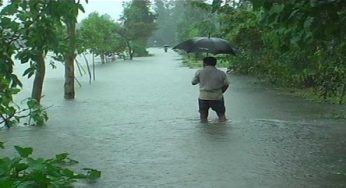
[(29, 30), (225, 62), (295, 44), (25, 171), (194, 62)]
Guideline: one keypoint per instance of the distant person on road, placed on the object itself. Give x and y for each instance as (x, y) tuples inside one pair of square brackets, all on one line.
[(166, 47), (212, 84)]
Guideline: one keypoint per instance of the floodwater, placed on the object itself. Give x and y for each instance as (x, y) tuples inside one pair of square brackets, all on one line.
[(138, 124)]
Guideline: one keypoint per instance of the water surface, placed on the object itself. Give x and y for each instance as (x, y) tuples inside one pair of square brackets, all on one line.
[(138, 124)]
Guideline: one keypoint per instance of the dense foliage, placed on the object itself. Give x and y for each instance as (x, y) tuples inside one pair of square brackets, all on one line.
[(304, 44), (21, 23), (28, 31), (99, 35), (298, 44), (138, 25), (31, 29), (26, 171)]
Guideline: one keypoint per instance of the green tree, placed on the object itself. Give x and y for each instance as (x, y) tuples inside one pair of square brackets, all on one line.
[(40, 20), (317, 27), (138, 25), (192, 20), (166, 23), (38, 32), (29, 30), (99, 35), (69, 11), (14, 43), (178, 20), (9, 82)]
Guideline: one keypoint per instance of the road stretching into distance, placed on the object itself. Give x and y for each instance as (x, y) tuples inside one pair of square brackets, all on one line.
[(138, 123)]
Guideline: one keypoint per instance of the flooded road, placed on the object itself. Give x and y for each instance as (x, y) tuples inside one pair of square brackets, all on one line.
[(138, 124)]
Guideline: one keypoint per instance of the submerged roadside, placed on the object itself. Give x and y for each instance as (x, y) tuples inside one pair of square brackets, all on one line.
[(283, 84)]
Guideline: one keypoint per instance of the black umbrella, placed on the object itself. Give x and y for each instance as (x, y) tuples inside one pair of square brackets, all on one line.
[(206, 44)]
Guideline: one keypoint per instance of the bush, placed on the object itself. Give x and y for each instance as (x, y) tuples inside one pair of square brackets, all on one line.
[(25, 171)]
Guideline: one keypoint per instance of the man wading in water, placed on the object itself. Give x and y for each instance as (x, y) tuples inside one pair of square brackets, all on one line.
[(212, 84)]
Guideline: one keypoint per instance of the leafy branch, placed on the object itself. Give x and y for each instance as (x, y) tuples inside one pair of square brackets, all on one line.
[(25, 171), (35, 112)]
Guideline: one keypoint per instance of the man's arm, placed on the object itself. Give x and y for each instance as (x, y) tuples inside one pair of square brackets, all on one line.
[(224, 88), (225, 84), (195, 79)]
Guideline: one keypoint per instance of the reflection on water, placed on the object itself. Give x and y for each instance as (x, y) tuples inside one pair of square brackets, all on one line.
[(138, 124)]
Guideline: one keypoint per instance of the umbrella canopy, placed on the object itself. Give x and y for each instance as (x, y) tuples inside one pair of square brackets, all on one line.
[(206, 44)]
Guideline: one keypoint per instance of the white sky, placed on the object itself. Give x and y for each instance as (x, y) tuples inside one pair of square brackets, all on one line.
[(111, 7)]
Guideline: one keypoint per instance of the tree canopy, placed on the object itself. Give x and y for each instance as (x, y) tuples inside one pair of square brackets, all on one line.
[(138, 25), (289, 43), (99, 35), (29, 29)]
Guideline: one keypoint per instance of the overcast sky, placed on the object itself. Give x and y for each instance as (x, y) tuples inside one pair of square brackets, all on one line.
[(111, 7)]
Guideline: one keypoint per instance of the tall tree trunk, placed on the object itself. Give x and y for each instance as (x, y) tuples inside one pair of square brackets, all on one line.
[(342, 95), (69, 61), (88, 67), (129, 49), (39, 78), (93, 67), (102, 58)]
